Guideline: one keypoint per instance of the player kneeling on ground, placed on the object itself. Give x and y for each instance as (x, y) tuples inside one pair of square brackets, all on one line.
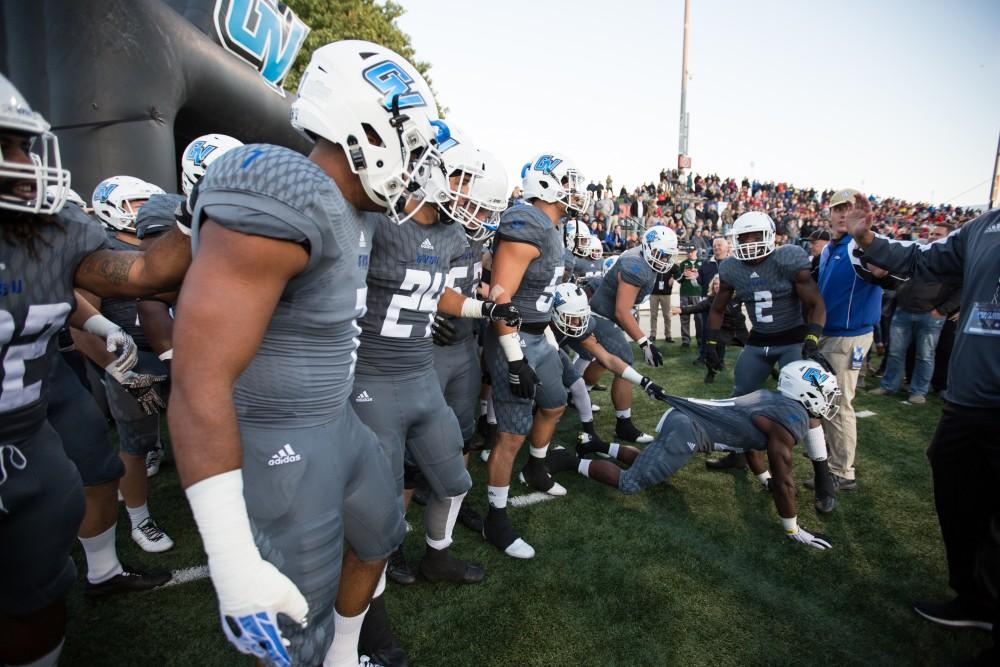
[(771, 421)]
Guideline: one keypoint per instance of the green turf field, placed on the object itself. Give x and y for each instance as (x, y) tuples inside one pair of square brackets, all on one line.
[(694, 572)]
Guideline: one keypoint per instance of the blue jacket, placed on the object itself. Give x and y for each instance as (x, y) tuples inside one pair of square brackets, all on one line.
[(853, 306)]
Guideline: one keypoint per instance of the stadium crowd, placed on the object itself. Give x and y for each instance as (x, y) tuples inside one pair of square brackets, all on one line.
[(372, 305)]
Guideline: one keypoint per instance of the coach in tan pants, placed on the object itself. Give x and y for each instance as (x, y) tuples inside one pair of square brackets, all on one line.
[(842, 352)]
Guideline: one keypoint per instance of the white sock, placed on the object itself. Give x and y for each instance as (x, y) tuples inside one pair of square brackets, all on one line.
[(539, 452), (491, 413), (137, 514), (50, 659), (623, 414), (584, 467), (581, 399), (497, 496), (764, 476), (613, 450), (380, 587), (102, 558), (482, 407), (343, 651)]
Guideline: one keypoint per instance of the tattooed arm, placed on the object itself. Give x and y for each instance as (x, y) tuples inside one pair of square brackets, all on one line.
[(123, 273)]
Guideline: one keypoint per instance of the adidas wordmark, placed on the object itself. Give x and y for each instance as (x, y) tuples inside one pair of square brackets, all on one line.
[(285, 455)]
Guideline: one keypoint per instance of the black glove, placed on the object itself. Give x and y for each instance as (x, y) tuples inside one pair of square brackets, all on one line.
[(810, 346), (443, 330), (495, 312), (522, 378), (654, 390), (142, 386), (712, 361), (652, 354)]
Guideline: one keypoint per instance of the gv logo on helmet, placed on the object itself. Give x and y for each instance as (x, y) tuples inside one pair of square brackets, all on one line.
[(104, 191), (546, 163), (265, 33), (815, 376), (391, 80), (198, 151)]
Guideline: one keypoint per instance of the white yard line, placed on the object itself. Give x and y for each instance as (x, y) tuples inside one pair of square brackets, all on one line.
[(530, 499), (864, 413), (187, 575)]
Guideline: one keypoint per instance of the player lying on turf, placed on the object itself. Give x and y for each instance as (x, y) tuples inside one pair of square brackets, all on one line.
[(771, 421)]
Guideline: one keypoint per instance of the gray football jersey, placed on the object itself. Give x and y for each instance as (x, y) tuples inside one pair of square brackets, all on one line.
[(123, 312), (728, 421), (768, 288), (408, 272), (304, 369), (156, 215), (586, 268), (524, 223), (635, 271), (36, 298), (569, 260), (464, 277)]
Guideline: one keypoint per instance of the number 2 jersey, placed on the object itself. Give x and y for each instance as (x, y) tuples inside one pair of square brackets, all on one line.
[(524, 223), (304, 369), (36, 298), (768, 291), (408, 272)]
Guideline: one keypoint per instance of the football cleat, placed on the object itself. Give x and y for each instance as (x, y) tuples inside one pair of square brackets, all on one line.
[(469, 517), (626, 430), (150, 537), (398, 570), (439, 565), (561, 459), (535, 475), (498, 532), (153, 459), (587, 444), (128, 581), (732, 460)]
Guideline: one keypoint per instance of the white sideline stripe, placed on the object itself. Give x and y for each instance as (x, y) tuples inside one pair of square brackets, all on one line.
[(187, 575), (530, 499), (864, 413)]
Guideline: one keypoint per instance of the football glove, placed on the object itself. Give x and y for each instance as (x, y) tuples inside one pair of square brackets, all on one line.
[(143, 387), (810, 346), (803, 536), (251, 591), (506, 312), (443, 330), (654, 390), (522, 379), (122, 344), (652, 353)]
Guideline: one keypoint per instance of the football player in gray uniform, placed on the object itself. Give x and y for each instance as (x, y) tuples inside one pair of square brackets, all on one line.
[(774, 284), (45, 252), (279, 470), (525, 368), (765, 421), (629, 281)]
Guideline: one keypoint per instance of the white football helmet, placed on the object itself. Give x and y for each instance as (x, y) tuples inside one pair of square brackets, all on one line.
[(609, 262), (72, 197), (570, 309), (476, 187), (114, 201), (377, 107), (596, 248), (199, 154), (749, 223), (811, 385), (577, 237), (659, 246), (553, 177), (38, 186)]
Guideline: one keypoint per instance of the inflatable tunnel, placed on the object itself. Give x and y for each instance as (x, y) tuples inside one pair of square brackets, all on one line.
[(127, 84)]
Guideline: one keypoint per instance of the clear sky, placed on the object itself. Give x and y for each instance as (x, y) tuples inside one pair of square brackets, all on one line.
[(891, 97)]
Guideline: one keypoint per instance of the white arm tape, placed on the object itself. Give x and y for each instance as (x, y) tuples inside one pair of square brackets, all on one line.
[(791, 526), (168, 355), (511, 346), (221, 514), (642, 341), (472, 308), (100, 326), (816, 444), (632, 375)]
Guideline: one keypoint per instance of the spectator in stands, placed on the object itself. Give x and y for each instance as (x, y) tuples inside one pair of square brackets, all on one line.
[(817, 241), (615, 240)]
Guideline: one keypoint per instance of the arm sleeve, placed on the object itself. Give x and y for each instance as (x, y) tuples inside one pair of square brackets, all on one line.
[(700, 307), (944, 257), (951, 302)]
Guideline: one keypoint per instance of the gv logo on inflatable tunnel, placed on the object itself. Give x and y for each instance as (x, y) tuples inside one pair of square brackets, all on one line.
[(265, 33)]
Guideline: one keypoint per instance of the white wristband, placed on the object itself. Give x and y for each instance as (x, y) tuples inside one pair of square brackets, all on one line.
[(511, 346), (642, 341), (632, 375), (791, 526), (184, 229), (167, 356), (816, 444), (221, 514), (100, 326), (472, 308)]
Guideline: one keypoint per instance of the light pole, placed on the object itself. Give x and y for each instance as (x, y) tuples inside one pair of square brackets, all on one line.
[(995, 187), (683, 160)]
